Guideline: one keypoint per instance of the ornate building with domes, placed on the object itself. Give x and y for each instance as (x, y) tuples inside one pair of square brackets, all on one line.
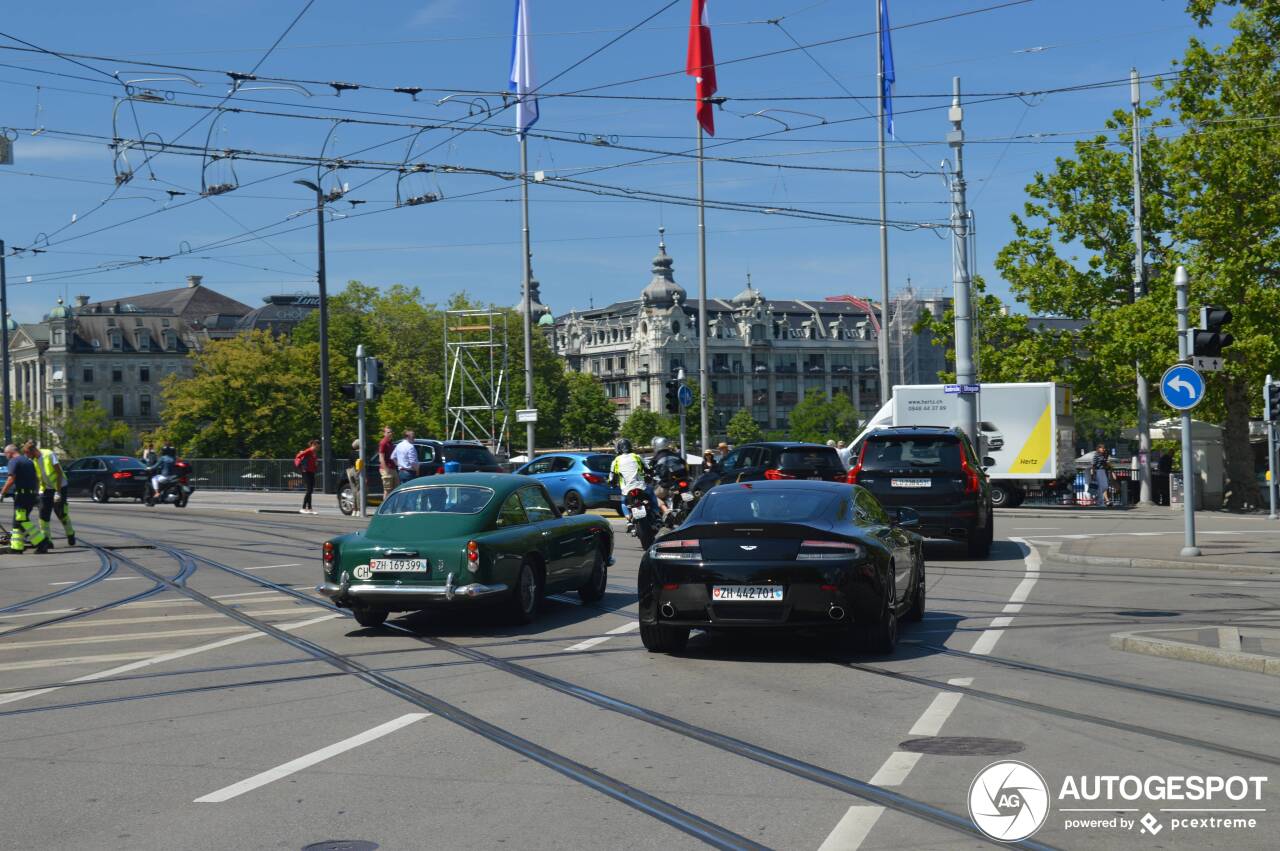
[(763, 355)]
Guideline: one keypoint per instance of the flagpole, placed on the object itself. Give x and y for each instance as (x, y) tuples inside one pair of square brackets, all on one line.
[(885, 385), (702, 300), (528, 310)]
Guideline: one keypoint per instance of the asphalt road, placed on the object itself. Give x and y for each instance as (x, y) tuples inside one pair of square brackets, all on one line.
[(170, 692)]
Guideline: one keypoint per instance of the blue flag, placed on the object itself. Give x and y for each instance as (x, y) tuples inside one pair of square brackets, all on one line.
[(888, 78), (521, 80)]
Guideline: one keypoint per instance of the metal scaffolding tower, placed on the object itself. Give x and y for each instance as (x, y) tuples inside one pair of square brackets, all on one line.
[(476, 394)]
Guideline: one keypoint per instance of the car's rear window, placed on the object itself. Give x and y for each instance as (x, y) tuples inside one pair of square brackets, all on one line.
[(598, 463), (476, 455), (438, 499), (743, 505), (885, 453), (820, 457), (126, 464)]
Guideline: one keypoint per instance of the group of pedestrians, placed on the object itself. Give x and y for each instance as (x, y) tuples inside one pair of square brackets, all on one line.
[(397, 463), (37, 483)]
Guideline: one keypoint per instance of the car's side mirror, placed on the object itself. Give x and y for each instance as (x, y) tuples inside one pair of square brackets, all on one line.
[(906, 518), (988, 462)]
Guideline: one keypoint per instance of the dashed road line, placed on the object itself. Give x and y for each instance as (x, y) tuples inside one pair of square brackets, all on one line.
[(601, 639)]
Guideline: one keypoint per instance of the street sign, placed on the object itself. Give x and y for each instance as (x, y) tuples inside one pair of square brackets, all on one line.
[(685, 395), (951, 388), (1182, 387), (963, 389), (1205, 364), (528, 415)]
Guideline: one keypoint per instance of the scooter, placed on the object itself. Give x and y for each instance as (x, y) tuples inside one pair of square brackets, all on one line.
[(177, 491)]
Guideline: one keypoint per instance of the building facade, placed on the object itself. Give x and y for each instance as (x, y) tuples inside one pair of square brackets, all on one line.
[(764, 355)]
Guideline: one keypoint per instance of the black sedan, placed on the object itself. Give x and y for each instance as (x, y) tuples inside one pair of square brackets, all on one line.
[(797, 554), (103, 477)]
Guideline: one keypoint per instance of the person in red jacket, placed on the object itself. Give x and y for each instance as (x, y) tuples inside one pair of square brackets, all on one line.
[(307, 463)]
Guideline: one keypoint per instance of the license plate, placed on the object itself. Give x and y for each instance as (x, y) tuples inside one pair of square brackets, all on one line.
[(911, 483), (746, 593), (687, 497), (400, 565), (815, 478), (639, 513)]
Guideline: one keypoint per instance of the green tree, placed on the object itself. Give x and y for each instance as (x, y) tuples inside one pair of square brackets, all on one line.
[(253, 396), (589, 418), (819, 419), (643, 425), (743, 428), (89, 430)]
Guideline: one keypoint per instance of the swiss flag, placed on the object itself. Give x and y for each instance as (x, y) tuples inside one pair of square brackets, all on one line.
[(701, 64)]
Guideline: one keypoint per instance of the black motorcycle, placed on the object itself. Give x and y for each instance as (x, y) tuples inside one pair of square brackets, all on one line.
[(645, 519), (680, 492), (177, 491)]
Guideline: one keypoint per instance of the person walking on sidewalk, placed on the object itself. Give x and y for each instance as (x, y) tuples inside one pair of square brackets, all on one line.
[(53, 491), (22, 482), (405, 458), (1101, 469), (387, 466), (307, 464), (149, 456)]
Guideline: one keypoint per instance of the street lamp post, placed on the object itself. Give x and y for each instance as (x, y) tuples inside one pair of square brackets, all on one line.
[(326, 425)]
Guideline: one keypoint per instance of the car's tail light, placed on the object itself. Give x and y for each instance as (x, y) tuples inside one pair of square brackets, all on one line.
[(970, 474), (687, 549), (439, 469), (829, 551), (636, 493), (670, 586), (329, 553), (122, 474), (773, 475), (473, 556), (593, 478), (856, 470)]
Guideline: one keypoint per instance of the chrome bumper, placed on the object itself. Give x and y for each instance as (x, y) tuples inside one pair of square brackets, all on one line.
[(349, 591)]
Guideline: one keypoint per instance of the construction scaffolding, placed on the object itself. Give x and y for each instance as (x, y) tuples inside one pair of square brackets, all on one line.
[(909, 351), (476, 395)]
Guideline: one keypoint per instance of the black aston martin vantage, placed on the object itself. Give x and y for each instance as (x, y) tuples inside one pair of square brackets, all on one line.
[(797, 554)]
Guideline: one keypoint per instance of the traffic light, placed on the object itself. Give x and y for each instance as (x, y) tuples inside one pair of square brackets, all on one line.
[(673, 397), (1271, 402), (373, 378), (1209, 339), (349, 390)]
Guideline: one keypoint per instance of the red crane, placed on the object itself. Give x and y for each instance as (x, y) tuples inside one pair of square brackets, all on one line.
[(861, 304)]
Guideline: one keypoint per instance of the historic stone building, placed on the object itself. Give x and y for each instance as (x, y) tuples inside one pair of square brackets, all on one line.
[(764, 355)]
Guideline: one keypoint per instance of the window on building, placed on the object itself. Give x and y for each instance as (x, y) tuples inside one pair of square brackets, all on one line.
[(114, 337), (117, 405), (57, 337), (170, 341), (111, 322), (88, 377), (144, 373), (164, 323), (117, 375), (144, 339), (144, 405), (89, 399), (608, 364)]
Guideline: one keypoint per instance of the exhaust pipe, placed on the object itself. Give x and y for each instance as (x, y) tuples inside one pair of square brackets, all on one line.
[(668, 610), (835, 613)]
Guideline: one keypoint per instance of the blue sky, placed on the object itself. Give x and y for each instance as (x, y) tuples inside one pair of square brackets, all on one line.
[(587, 249)]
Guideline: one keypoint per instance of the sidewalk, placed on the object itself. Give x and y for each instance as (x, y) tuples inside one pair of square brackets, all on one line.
[(1234, 552)]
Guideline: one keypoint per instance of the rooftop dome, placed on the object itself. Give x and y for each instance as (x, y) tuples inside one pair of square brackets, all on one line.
[(546, 319), (663, 289), (60, 312), (11, 322), (747, 296)]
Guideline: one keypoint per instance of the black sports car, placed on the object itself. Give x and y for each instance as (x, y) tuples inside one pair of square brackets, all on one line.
[(784, 554)]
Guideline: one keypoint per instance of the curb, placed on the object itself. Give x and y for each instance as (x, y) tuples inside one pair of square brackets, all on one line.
[(1132, 642), (1061, 513), (1110, 561)]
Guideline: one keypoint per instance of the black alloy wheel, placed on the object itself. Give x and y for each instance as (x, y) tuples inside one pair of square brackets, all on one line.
[(593, 590), (573, 503), (100, 492), (526, 597), (880, 636), (979, 542), (370, 618), (915, 614)]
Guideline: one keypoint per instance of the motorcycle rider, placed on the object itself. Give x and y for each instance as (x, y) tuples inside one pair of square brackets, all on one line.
[(164, 472), (53, 490), (629, 471), (668, 468)]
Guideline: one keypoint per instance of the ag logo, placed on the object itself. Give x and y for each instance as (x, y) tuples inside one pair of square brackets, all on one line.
[(362, 571), (1008, 801)]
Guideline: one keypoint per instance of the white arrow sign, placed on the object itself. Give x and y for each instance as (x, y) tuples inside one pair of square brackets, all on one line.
[(1177, 383)]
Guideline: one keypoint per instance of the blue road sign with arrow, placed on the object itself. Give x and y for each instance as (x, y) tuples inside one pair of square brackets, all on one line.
[(1182, 387), (685, 395)]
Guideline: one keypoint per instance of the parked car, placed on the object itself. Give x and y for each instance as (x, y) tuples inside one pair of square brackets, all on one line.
[(936, 471), (432, 455), (796, 554), (460, 539), (107, 477), (576, 480), (753, 462)]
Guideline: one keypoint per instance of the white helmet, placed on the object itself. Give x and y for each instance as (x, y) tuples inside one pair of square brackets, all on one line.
[(659, 444)]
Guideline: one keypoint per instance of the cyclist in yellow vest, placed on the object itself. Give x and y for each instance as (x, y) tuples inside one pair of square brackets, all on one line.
[(53, 490)]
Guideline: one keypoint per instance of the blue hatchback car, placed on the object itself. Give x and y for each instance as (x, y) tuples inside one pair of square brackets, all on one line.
[(576, 480)]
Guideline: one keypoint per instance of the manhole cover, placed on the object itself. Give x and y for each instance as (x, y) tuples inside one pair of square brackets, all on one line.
[(961, 746), (1146, 613), (1227, 595), (342, 845)]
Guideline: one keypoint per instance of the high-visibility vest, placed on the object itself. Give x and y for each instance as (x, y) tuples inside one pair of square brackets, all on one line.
[(49, 479)]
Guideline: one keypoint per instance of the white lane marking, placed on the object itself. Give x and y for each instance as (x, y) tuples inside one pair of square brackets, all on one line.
[(63, 661), (601, 639), (124, 636), (269, 566), (149, 604), (895, 769), (851, 830), (1035, 528), (1031, 559), (936, 715), (108, 579), (108, 622), (163, 657), (296, 765)]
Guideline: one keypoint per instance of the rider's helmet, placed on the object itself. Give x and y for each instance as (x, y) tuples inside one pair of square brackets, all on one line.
[(659, 444), (169, 450), (622, 447)]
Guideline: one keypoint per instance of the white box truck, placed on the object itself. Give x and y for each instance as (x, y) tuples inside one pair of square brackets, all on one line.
[(1027, 429)]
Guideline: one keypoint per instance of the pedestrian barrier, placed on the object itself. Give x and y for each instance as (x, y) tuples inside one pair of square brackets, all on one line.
[(249, 474)]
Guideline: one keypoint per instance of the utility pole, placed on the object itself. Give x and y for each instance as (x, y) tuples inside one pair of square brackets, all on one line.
[(527, 301), (1140, 290), (1181, 283), (4, 343), (680, 374), (886, 384), (326, 423), (361, 495), (703, 378), (965, 372), (1270, 393)]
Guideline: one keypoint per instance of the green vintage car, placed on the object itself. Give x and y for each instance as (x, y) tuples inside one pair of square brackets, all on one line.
[(461, 539)]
